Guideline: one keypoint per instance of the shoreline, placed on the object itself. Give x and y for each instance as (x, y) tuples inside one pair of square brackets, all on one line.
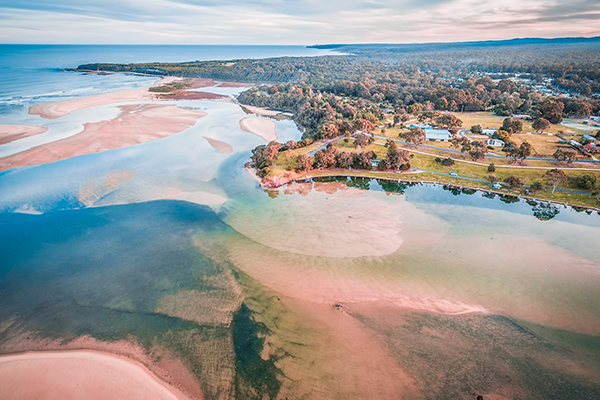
[(275, 182), (134, 379)]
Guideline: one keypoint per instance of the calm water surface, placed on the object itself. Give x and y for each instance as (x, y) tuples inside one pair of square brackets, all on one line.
[(443, 294)]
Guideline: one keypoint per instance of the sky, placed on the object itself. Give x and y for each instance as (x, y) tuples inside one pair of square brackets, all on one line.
[(291, 22)]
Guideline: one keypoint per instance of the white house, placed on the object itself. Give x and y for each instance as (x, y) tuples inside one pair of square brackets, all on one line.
[(495, 143), (488, 131), (441, 135)]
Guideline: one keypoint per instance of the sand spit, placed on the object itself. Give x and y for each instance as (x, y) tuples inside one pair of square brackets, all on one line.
[(263, 127), (78, 374), (62, 108), (234, 84), (260, 111), (221, 147), (137, 123), (10, 133)]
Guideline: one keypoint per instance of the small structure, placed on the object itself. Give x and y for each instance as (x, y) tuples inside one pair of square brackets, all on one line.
[(574, 143), (522, 116), (589, 137), (488, 131), (495, 143), (496, 186), (422, 126), (433, 135)]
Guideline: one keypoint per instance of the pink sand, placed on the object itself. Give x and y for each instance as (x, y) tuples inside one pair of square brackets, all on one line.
[(137, 123), (10, 133), (263, 127), (78, 374)]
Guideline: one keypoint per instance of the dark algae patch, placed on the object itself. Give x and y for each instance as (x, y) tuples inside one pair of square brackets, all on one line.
[(255, 377)]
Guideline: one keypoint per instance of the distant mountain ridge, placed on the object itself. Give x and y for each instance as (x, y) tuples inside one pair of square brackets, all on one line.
[(400, 47)]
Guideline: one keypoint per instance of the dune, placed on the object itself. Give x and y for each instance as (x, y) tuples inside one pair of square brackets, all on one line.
[(137, 123), (10, 133), (263, 127), (221, 147), (78, 374)]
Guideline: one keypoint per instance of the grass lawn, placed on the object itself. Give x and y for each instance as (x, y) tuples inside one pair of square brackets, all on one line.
[(285, 162)]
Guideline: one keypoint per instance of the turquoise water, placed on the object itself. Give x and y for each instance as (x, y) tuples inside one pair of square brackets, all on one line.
[(182, 253)]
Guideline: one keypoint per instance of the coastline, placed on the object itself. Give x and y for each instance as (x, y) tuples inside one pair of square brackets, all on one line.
[(73, 374), (275, 182)]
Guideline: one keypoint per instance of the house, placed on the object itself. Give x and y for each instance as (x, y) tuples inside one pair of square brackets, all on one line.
[(589, 137), (488, 131), (495, 143), (591, 148), (522, 116), (574, 143), (437, 134)]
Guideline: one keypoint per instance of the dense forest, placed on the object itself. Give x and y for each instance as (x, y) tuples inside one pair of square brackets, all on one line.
[(331, 95)]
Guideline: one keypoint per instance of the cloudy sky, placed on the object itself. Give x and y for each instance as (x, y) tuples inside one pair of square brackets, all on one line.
[(291, 21)]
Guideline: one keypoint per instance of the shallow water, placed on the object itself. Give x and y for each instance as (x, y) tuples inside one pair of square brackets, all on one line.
[(173, 246)]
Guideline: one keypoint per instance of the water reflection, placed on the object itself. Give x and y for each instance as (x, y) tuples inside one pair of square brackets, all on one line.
[(542, 210)]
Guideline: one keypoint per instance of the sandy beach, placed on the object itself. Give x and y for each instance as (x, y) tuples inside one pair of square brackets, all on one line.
[(260, 111), (10, 133), (263, 127), (78, 374), (137, 123)]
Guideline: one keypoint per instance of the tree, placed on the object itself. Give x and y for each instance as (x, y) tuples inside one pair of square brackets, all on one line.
[(564, 156), (447, 162), (586, 181), (448, 121), (511, 125), (414, 135), (325, 158), (361, 139), (520, 153), (343, 160), (502, 135), (491, 168), (555, 178), (535, 187), (540, 125), (395, 158), (513, 181), (492, 179), (478, 150), (414, 108), (304, 162), (476, 129)]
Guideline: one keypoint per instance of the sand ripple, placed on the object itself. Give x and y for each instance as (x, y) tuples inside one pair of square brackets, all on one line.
[(332, 220)]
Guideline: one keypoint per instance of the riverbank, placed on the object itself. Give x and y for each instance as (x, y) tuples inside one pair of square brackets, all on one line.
[(274, 182)]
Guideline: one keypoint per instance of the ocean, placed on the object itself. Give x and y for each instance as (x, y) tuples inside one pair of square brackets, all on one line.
[(328, 288)]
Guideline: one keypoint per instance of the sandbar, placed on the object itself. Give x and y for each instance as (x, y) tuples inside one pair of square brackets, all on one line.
[(78, 374), (260, 111), (221, 147), (263, 127), (137, 123), (234, 84), (10, 133), (62, 108)]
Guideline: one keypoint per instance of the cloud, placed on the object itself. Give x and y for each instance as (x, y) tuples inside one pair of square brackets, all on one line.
[(292, 21)]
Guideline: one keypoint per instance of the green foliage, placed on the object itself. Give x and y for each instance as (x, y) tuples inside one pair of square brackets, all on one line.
[(587, 181), (513, 181)]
